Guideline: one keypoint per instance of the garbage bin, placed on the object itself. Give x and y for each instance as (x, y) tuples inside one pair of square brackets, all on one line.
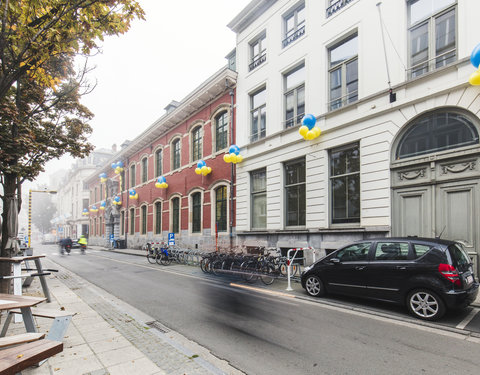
[(121, 244)]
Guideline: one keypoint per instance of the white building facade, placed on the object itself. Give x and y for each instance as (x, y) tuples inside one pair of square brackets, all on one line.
[(388, 84)]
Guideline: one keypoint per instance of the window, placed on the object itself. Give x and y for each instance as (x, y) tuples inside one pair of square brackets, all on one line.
[(158, 218), (196, 212), (132, 221), (175, 215), (122, 223), (432, 35), (295, 200), (158, 163), (345, 184), (221, 208), (221, 131), (84, 203), (437, 131), (144, 170), (144, 219), (391, 251), (176, 154), (343, 72), (294, 88), (132, 175), (420, 250), (101, 191), (95, 229), (122, 180), (258, 105), (258, 199), (334, 6), (294, 25), (258, 52), (353, 253), (197, 143)]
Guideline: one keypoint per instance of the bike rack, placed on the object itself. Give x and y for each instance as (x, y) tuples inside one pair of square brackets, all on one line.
[(289, 262)]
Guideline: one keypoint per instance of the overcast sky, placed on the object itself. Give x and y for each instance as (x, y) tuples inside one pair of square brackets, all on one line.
[(179, 45)]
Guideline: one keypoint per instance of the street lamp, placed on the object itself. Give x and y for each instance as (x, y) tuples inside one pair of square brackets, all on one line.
[(30, 211)]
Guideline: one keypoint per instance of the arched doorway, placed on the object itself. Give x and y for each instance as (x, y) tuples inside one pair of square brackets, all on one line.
[(435, 177)]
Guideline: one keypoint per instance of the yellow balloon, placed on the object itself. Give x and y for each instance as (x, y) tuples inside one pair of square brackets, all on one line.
[(239, 158), (157, 185), (204, 169), (310, 135), (198, 170), (209, 169), (475, 78), (317, 131), (233, 158), (166, 185), (226, 158), (303, 130)]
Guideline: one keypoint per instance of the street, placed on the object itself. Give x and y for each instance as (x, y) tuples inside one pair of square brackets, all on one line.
[(261, 333)]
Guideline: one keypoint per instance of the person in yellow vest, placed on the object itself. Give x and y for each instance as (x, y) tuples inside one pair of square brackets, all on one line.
[(82, 241)]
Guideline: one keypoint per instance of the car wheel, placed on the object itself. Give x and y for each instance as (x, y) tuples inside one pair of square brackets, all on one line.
[(425, 304), (314, 286)]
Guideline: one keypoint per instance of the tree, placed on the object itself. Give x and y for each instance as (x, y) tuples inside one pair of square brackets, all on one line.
[(41, 117)]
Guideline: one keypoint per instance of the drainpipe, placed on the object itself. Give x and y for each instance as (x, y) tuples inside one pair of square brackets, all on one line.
[(232, 172), (127, 177)]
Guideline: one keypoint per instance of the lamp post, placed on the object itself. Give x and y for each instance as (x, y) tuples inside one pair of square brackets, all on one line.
[(30, 211)]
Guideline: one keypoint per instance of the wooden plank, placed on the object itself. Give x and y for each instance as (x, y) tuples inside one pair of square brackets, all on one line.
[(20, 339), (18, 358)]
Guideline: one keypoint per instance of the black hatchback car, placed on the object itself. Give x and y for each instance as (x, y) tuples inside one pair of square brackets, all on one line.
[(427, 275)]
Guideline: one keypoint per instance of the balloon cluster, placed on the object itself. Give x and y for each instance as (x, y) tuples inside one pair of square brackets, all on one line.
[(118, 167), (161, 183), (308, 130), (94, 209), (475, 60), (102, 205), (85, 212), (133, 194), (233, 155), (202, 168), (103, 177), (117, 201)]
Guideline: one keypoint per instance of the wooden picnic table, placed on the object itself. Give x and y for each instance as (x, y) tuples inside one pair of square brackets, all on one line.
[(24, 303)]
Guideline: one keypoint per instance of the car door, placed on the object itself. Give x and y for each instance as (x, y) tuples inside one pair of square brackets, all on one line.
[(389, 269), (345, 270)]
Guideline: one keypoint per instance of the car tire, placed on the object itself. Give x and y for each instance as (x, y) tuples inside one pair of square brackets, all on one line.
[(425, 304), (314, 286)]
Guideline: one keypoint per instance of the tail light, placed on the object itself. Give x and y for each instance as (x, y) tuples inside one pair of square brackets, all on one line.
[(450, 273)]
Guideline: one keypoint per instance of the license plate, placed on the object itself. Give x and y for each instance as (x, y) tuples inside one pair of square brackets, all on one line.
[(469, 279)]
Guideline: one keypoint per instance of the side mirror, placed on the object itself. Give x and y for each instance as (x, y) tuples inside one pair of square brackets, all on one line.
[(335, 260)]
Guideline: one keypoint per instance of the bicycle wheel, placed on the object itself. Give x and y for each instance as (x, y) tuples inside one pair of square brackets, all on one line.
[(217, 267), (268, 275), (151, 257), (165, 259)]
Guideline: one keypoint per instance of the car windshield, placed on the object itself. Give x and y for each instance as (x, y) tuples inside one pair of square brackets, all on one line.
[(459, 254)]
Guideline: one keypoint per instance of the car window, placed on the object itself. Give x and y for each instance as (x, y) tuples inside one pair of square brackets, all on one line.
[(353, 253), (459, 254), (391, 251), (420, 250)]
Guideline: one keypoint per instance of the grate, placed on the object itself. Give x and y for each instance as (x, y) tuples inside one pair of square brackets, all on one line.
[(159, 326)]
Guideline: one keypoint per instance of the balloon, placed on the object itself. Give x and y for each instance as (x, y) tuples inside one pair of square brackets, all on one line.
[(233, 158), (475, 56), (303, 130), (226, 158), (209, 169), (310, 135), (201, 164), (198, 170), (120, 164), (475, 78), (317, 131), (239, 158), (234, 149), (309, 121), (113, 165), (157, 184)]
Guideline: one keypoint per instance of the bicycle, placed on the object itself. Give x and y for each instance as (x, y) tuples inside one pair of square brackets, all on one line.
[(164, 258)]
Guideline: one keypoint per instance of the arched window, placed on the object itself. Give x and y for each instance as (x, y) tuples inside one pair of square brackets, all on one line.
[(158, 218), (197, 144), (144, 220), (132, 221), (221, 208), (158, 162), (176, 154), (196, 212), (437, 131), (144, 170), (132, 175), (221, 131), (175, 215)]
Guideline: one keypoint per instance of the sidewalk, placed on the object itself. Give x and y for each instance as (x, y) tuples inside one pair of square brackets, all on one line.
[(108, 337)]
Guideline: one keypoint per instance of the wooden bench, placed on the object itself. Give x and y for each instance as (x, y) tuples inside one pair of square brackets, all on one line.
[(59, 326), (14, 360), (20, 339)]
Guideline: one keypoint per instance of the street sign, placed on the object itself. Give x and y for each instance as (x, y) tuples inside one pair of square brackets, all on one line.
[(171, 239)]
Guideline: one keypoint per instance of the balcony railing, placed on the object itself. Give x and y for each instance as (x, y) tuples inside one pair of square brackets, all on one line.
[(297, 34), (258, 61), (336, 6)]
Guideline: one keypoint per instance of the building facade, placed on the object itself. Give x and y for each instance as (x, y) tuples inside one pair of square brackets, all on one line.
[(196, 208), (388, 85)]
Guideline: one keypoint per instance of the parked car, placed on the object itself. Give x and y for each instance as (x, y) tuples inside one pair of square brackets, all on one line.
[(427, 275)]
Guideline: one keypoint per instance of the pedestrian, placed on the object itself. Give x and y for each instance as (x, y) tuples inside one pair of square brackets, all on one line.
[(82, 241)]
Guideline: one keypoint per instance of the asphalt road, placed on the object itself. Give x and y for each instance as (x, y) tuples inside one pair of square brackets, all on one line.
[(273, 334)]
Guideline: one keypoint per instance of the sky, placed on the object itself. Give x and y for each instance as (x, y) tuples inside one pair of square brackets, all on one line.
[(179, 45)]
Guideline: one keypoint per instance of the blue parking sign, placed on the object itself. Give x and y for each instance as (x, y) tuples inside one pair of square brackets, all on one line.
[(171, 239)]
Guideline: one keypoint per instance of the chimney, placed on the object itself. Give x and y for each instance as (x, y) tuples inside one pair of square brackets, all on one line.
[(114, 148)]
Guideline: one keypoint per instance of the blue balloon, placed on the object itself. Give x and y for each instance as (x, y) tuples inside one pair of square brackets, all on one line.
[(201, 164), (309, 121), (120, 164), (113, 165), (132, 192), (161, 179), (116, 199), (475, 56), (234, 149)]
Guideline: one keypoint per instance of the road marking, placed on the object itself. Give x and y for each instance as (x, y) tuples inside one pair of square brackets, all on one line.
[(468, 319)]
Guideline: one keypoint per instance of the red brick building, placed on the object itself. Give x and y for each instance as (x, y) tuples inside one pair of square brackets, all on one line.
[(194, 206)]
